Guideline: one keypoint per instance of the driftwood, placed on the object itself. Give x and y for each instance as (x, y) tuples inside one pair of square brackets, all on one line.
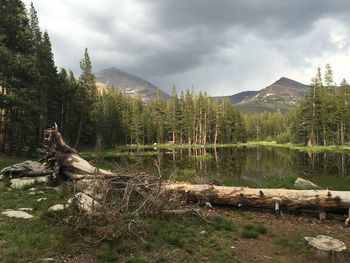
[(60, 160)]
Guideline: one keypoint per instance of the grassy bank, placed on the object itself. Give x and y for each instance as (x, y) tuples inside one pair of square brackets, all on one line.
[(303, 148), (120, 150)]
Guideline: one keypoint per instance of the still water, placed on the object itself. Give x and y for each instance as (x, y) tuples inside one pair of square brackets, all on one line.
[(257, 166)]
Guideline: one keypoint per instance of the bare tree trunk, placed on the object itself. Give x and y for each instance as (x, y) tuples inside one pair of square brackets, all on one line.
[(78, 135)]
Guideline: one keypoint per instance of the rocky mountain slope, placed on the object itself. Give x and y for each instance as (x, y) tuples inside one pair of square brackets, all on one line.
[(282, 95), (129, 83)]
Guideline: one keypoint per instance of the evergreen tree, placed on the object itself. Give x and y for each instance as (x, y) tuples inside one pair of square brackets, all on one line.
[(87, 95)]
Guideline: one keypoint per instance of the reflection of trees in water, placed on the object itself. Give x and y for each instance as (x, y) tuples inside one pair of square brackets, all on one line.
[(255, 165), (231, 162), (323, 164)]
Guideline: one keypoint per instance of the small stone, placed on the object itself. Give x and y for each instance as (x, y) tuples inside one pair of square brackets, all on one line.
[(203, 232), (55, 208), (20, 183), (26, 209), (32, 189), (17, 214), (84, 202), (41, 199), (48, 260)]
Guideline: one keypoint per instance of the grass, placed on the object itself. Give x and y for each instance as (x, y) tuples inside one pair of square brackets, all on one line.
[(35, 238), (253, 231), (303, 148), (124, 150), (107, 254)]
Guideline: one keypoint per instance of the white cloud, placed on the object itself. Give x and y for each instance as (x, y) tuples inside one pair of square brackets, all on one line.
[(219, 47)]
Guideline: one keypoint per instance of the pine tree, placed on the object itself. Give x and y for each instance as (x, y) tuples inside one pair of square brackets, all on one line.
[(17, 79), (87, 94)]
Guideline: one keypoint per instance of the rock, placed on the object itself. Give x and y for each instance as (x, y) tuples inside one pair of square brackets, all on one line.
[(55, 208), (1, 176), (41, 199), (48, 260), (26, 209), (301, 183), (20, 183), (328, 248), (84, 202), (17, 214), (32, 189)]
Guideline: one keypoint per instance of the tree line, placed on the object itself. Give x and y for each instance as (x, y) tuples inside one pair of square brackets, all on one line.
[(186, 118), (323, 117), (34, 95)]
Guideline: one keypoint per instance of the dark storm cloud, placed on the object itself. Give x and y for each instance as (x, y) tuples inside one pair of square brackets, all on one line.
[(203, 42)]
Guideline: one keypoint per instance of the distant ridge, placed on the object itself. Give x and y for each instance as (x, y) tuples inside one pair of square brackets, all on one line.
[(281, 95), (129, 83)]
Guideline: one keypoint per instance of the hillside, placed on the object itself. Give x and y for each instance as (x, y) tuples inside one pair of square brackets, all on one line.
[(130, 84), (281, 95)]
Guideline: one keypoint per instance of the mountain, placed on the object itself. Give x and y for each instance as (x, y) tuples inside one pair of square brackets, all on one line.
[(281, 95), (130, 84)]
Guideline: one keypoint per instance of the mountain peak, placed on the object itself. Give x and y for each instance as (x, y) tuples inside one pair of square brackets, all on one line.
[(129, 83), (281, 95), (283, 81)]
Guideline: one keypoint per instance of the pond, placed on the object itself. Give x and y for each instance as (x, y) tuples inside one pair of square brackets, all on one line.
[(257, 166)]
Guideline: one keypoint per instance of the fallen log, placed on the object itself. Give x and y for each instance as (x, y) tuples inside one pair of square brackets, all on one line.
[(327, 200)]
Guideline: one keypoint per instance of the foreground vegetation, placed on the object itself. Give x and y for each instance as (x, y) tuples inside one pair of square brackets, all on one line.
[(231, 236)]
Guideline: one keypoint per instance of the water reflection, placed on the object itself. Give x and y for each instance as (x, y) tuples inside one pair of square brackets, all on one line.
[(248, 166)]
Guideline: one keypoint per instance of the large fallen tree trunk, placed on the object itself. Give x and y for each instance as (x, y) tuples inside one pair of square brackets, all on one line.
[(60, 159), (326, 200)]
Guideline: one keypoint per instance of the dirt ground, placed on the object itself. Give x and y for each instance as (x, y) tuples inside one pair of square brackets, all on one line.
[(284, 241)]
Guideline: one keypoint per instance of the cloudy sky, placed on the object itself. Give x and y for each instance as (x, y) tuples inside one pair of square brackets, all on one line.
[(220, 46)]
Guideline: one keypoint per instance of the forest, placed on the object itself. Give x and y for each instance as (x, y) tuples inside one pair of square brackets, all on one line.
[(34, 95)]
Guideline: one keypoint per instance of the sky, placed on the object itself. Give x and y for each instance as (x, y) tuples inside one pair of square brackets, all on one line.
[(221, 47)]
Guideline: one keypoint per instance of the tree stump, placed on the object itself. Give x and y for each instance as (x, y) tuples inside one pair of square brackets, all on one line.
[(328, 249)]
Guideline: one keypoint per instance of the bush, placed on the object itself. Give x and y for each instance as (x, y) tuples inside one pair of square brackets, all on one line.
[(249, 233), (253, 231), (283, 137)]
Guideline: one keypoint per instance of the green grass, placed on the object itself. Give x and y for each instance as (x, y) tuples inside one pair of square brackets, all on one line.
[(303, 148), (6, 160), (253, 231), (107, 254), (35, 238), (124, 150)]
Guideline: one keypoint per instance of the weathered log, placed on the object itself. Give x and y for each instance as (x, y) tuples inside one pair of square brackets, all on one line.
[(327, 200), (27, 169)]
